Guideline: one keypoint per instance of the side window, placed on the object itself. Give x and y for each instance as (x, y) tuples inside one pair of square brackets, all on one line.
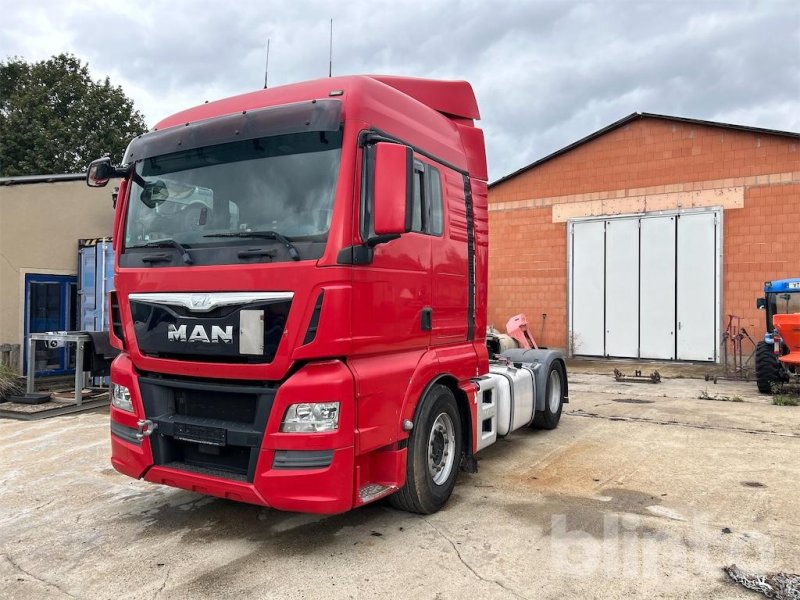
[(417, 209), (436, 217), (427, 214)]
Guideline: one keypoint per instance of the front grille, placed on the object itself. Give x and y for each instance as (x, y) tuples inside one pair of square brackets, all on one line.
[(206, 426), (219, 335)]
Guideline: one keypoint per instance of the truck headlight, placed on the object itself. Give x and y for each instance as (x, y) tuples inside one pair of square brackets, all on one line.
[(311, 417), (121, 397)]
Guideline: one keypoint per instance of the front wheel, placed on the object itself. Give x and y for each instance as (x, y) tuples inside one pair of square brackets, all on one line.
[(434, 453), (554, 393), (768, 368)]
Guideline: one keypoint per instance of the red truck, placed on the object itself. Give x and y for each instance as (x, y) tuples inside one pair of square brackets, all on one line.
[(300, 303)]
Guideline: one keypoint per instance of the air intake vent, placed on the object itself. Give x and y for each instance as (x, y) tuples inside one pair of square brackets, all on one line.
[(311, 332), (116, 318)]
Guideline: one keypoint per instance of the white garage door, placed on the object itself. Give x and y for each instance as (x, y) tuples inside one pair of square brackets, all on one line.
[(622, 287), (646, 287), (657, 290), (696, 286), (588, 282)]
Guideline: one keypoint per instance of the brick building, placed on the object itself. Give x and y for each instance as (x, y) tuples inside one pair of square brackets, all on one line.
[(640, 239)]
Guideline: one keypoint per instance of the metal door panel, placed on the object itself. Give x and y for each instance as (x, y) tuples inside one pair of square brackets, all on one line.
[(622, 288), (588, 274), (96, 280), (696, 287), (657, 288), (105, 283), (88, 299), (47, 307)]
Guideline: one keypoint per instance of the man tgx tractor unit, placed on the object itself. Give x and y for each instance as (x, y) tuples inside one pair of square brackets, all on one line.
[(774, 365), (300, 300)]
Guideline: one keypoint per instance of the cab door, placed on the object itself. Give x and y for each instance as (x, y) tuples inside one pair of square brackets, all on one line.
[(447, 211), (392, 295)]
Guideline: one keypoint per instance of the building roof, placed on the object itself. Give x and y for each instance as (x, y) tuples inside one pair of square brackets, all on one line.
[(52, 178), (644, 115)]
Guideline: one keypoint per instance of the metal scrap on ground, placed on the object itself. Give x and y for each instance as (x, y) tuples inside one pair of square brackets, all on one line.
[(637, 377), (781, 586)]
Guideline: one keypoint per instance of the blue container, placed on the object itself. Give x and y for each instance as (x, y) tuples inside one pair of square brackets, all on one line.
[(95, 280)]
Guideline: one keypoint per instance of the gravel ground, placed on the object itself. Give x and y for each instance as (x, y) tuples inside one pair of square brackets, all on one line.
[(643, 491)]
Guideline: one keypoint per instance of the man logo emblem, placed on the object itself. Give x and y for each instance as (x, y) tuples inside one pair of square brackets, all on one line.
[(198, 333), (200, 300)]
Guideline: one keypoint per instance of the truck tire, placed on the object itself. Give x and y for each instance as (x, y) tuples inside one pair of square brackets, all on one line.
[(553, 398), (434, 454), (768, 368)]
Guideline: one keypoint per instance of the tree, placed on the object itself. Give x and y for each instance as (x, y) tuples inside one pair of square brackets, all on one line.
[(55, 119)]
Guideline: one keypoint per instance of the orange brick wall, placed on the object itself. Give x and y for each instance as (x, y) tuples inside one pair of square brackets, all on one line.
[(528, 272), (528, 259), (760, 243)]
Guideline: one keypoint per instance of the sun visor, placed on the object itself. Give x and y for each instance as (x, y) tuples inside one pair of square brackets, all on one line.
[(298, 117)]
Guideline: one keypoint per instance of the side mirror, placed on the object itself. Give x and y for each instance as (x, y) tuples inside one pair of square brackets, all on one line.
[(393, 189), (100, 171), (761, 303)]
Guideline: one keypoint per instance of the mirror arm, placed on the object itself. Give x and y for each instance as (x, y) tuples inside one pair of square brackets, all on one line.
[(137, 179)]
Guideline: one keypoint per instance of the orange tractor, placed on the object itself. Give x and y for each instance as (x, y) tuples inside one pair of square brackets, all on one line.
[(778, 356)]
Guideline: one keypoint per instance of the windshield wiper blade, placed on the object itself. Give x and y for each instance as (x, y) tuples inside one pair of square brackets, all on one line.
[(187, 258), (267, 235)]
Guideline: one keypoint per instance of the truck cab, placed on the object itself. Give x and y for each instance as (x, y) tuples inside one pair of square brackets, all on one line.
[(300, 295)]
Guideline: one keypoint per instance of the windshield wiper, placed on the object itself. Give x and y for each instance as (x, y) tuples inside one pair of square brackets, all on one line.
[(187, 258), (267, 235)]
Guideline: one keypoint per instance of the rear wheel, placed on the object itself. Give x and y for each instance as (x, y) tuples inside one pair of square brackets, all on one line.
[(434, 453), (554, 398), (768, 368)]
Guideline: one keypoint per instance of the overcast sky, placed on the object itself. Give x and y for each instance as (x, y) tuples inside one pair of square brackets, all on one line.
[(546, 73)]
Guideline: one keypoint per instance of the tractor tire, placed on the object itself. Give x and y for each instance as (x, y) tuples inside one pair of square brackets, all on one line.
[(768, 368), (434, 454), (553, 398)]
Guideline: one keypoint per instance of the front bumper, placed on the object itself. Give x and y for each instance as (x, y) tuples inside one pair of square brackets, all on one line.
[(260, 465)]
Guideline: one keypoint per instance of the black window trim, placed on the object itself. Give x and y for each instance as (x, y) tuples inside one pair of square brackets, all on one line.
[(426, 199)]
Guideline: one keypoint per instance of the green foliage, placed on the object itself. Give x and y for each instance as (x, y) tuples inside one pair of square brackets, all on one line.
[(55, 119), (786, 400), (10, 382)]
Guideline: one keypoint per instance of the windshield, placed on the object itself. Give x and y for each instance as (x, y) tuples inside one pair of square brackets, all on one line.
[(782, 303), (283, 184)]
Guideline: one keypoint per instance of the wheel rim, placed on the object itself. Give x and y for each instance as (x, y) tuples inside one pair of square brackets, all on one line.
[(554, 387), (441, 449)]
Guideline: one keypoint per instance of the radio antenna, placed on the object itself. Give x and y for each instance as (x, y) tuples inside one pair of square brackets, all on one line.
[(330, 53), (266, 68)]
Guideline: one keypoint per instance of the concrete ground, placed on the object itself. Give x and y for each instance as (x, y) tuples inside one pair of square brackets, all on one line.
[(643, 491)]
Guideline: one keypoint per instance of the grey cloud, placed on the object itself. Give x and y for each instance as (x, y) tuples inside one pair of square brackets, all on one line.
[(546, 72)]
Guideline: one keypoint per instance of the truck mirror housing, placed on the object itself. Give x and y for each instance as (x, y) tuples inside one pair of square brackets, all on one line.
[(100, 171), (393, 189), (761, 303)]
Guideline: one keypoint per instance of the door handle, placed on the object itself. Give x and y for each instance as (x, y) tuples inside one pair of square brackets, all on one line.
[(426, 319)]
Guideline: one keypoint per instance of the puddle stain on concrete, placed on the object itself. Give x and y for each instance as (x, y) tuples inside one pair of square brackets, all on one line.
[(589, 514), (202, 520)]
